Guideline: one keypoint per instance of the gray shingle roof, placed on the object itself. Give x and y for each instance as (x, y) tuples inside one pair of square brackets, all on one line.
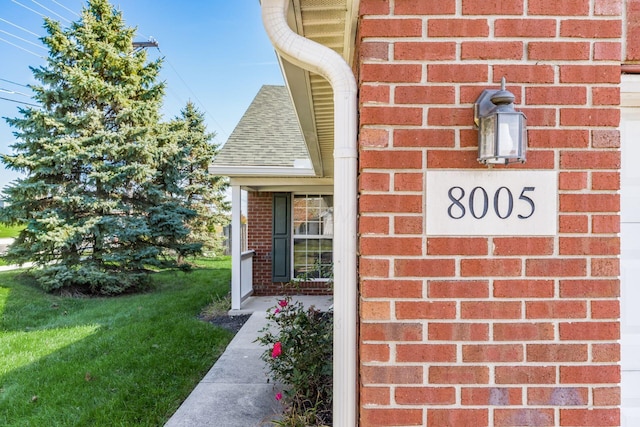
[(268, 133)]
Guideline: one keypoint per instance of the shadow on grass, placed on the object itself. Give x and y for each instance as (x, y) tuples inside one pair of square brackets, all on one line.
[(132, 360)]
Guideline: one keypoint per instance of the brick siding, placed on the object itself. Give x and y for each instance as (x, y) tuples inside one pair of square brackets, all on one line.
[(259, 228), (489, 331)]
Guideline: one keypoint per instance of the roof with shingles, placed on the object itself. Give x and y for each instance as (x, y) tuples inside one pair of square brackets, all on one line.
[(268, 133)]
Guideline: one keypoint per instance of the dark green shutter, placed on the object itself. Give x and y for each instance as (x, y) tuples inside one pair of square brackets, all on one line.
[(281, 245)]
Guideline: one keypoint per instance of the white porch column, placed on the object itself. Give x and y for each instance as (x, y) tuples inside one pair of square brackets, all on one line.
[(236, 247)]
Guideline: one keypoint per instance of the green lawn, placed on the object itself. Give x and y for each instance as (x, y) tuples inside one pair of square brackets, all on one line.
[(10, 230), (125, 361)]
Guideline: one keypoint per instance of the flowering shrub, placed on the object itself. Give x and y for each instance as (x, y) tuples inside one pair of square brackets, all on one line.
[(277, 350), (299, 350)]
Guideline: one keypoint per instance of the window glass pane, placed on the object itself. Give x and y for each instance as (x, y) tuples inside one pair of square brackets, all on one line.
[(313, 227), (300, 263), (313, 232), (313, 213), (326, 219), (312, 258), (299, 213)]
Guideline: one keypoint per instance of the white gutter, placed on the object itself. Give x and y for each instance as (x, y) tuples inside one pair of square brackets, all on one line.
[(321, 60)]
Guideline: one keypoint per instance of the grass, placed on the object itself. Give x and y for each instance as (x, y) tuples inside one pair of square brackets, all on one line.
[(218, 306), (125, 361), (10, 230)]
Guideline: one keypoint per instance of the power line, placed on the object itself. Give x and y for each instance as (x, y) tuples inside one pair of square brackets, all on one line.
[(64, 7), (194, 95), (171, 92), (24, 40), (19, 27), (14, 92), (20, 47), (28, 8), (20, 102), (14, 83), (50, 11)]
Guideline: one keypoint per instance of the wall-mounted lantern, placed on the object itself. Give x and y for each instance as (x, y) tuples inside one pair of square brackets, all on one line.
[(502, 131)]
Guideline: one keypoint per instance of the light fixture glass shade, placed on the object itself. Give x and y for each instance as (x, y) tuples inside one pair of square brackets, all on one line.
[(502, 138), (502, 131)]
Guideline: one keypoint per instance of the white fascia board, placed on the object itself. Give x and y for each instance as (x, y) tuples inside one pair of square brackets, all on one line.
[(351, 26), (299, 181), (260, 171), (300, 92)]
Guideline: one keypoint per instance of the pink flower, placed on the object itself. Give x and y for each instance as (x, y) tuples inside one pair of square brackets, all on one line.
[(277, 350), (282, 303), (276, 311), (278, 396)]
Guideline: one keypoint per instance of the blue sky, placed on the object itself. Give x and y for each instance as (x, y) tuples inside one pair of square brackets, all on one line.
[(216, 54)]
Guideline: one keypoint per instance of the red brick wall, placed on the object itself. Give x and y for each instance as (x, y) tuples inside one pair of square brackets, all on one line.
[(259, 228), (488, 331)]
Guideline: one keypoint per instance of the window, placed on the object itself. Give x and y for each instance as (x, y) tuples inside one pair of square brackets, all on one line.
[(312, 236)]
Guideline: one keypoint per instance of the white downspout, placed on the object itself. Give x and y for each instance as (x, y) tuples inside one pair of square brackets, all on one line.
[(321, 60)]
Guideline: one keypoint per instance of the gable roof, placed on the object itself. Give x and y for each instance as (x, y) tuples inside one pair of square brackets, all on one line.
[(267, 141)]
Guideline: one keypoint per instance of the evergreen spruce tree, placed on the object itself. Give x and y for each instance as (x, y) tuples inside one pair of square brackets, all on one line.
[(101, 199), (204, 192)]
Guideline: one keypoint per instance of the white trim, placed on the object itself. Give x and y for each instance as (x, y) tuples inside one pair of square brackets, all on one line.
[(321, 60), (303, 106), (284, 184), (236, 248), (287, 188), (270, 171)]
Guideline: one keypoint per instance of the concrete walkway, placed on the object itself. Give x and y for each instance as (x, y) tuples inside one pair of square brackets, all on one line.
[(4, 244), (15, 267), (235, 392)]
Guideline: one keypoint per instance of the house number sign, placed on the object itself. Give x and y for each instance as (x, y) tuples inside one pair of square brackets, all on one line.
[(492, 202)]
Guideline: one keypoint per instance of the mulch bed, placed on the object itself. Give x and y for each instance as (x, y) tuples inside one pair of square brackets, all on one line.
[(230, 323)]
